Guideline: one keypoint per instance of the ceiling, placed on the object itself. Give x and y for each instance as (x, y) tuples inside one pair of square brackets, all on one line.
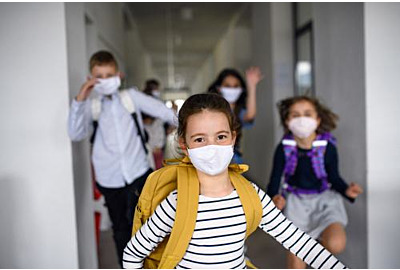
[(180, 36)]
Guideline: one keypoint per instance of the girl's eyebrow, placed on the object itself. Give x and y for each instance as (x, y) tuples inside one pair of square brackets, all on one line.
[(310, 110), (197, 134), (203, 134)]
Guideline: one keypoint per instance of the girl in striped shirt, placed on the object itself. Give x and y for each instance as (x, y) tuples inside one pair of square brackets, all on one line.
[(207, 135)]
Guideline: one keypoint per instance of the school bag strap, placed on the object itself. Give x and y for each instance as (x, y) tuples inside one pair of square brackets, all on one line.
[(127, 101), (186, 214), (250, 200), (183, 177), (316, 156), (157, 187), (96, 108), (128, 104)]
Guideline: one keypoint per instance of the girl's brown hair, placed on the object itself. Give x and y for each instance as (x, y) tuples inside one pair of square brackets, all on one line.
[(199, 102), (328, 118)]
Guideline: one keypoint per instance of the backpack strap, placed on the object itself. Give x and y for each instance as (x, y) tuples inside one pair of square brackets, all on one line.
[(158, 185), (127, 101), (96, 110), (186, 213), (129, 105), (316, 155), (250, 201), (171, 251)]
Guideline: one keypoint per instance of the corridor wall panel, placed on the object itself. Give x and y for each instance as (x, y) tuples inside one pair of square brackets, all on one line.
[(340, 84), (83, 187), (37, 217), (382, 69)]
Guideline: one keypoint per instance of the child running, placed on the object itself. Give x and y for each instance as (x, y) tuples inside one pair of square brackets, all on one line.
[(207, 136), (308, 161)]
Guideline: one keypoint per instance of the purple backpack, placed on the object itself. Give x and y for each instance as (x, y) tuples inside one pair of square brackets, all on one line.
[(317, 160)]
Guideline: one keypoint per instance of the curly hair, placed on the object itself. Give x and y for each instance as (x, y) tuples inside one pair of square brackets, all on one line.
[(328, 118)]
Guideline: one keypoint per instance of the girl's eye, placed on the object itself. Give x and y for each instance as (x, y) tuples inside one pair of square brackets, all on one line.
[(199, 140), (221, 137)]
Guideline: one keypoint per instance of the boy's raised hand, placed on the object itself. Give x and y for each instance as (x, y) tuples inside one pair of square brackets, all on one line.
[(86, 89), (279, 201), (354, 190)]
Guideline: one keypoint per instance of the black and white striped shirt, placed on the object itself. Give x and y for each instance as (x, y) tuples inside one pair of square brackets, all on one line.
[(219, 235)]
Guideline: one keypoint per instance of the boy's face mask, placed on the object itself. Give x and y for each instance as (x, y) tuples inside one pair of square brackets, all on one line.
[(303, 127), (107, 86), (231, 94), (211, 159)]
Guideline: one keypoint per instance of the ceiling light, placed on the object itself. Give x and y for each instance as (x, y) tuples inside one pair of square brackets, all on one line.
[(187, 14)]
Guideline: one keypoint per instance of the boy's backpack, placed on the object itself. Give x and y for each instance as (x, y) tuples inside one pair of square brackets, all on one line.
[(316, 155), (129, 105), (183, 177)]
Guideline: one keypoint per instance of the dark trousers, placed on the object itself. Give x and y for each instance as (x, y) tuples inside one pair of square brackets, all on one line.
[(121, 204)]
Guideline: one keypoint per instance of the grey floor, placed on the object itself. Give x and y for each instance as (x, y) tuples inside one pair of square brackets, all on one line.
[(107, 254), (262, 249)]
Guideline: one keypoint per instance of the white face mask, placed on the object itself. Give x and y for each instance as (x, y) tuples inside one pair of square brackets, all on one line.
[(231, 94), (156, 93), (107, 86), (211, 159), (303, 127)]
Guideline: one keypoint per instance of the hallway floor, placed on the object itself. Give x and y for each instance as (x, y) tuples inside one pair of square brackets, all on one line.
[(263, 251)]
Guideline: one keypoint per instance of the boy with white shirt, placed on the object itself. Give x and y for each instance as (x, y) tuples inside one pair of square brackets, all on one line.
[(119, 155)]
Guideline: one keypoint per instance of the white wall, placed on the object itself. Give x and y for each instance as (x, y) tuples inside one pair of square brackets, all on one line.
[(340, 84), (37, 217), (272, 52), (139, 65), (382, 69), (109, 25), (282, 59), (205, 76), (125, 44), (233, 50), (77, 71), (223, 52)]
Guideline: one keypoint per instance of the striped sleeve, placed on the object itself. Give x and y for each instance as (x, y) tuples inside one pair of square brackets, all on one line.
[(292, 238), (153, 232)]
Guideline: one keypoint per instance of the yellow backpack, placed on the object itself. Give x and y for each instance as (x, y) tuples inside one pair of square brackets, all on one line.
[(183, 177)]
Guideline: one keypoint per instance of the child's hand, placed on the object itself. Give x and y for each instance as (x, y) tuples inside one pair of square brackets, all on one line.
[(86, 89), (279, 201), (253, 77), (353, 191)]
